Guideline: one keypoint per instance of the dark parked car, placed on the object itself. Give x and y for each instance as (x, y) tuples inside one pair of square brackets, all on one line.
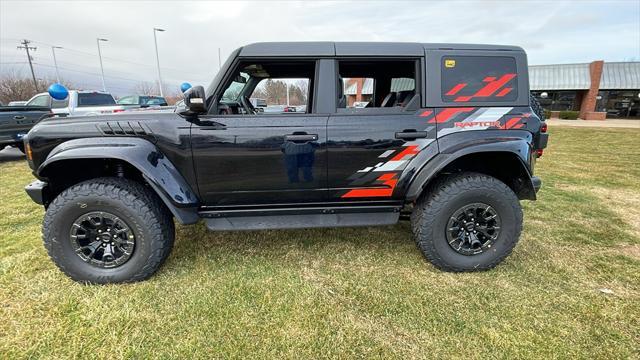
[(449, 138), (16, 121)]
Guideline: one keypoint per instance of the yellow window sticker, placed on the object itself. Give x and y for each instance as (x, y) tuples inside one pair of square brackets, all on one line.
[(449, 63)]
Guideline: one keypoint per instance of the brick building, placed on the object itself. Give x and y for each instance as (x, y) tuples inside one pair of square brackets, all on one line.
[(596, 90)]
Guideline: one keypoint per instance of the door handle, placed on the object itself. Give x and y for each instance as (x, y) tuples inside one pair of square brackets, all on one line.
[(411, 134), (301, 137), (18, 117)]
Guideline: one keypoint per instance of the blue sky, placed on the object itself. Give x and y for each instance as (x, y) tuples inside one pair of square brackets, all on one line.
[(550, 32)]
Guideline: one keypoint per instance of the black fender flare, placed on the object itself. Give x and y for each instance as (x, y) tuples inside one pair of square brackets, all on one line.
[(482, 142), (155, 167)]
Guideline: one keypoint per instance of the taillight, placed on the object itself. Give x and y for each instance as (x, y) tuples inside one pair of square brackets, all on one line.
[(543, 127), (539, 152)]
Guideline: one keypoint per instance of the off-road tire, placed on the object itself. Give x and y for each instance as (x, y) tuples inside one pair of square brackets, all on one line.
[(440, 200), (143, 211)]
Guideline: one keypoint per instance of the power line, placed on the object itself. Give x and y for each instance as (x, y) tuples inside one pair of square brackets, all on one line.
[(26, 47), (123, 60)]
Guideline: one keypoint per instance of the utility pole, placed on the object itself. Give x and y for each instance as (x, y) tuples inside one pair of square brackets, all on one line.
[(26, 46), (155, 41), (104, 87), (55, 62)]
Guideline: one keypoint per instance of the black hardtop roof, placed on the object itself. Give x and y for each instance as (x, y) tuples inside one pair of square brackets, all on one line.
[(358, 48)]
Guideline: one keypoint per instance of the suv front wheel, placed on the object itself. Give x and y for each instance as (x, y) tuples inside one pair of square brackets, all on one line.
[(108, 230), (467, 222)]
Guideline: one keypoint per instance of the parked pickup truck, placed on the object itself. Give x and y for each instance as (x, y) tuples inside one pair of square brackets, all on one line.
[(79, 102), (454, 149), (16, 121)]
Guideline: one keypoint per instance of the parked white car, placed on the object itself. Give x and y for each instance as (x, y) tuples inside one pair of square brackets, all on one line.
[(79, 102)]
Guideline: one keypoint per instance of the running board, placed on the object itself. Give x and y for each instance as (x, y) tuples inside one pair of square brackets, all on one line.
[(299, 218)]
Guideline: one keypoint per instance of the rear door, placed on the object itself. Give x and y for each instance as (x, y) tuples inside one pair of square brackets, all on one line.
[(379, 133)]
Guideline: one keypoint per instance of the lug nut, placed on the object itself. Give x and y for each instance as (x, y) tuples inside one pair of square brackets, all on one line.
[(99, 231)]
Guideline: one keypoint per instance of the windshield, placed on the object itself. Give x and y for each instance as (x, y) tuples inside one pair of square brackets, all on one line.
[(152, 100), (220, 74), (95, 99), (235, 88)]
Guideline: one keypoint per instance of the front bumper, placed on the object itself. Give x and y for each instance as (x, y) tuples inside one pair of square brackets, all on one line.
[(537, 183), (37, 191)]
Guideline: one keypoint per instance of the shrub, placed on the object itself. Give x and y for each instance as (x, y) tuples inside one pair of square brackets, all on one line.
[(569, 115), (547, 114)]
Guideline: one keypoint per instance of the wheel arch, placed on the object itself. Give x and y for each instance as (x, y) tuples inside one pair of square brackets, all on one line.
[(504, 159), (82, 159)]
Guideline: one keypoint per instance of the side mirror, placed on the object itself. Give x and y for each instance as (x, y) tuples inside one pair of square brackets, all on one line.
[(194, 101)]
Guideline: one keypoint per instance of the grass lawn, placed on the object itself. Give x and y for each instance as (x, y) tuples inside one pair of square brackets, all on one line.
[(363, 292)]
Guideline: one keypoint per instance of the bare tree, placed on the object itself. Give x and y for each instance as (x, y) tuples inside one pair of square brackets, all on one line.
[(146, 88), (14, 87), (275, 92)]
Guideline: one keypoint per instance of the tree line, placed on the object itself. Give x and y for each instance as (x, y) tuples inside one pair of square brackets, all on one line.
[(17, 87)]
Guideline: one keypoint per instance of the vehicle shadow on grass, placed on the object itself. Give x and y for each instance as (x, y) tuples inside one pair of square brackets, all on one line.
[(11, 154)]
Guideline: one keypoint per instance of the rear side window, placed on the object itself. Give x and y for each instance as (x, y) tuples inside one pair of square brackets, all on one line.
[(479, 78), (95, 99)]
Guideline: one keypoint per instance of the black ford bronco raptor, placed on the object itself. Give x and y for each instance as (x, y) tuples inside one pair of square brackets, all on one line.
[(352, 134)]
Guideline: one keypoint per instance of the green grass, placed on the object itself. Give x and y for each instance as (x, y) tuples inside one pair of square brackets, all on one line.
[(356, 292)]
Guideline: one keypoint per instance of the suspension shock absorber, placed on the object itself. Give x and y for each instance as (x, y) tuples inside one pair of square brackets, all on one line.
[(119, 170)]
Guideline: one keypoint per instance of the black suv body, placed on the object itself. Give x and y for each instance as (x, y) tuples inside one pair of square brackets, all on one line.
[(449, 135)]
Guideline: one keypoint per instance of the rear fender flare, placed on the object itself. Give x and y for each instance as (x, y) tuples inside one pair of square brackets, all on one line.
[(516, 146), (156, 169)]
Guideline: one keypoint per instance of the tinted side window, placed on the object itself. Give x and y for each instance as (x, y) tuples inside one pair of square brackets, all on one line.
[(479, 78), (95, 99), (373, 84)]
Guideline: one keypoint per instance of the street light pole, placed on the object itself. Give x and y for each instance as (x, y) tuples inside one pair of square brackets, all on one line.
[(155, 41), (104, 87), (55, 62)]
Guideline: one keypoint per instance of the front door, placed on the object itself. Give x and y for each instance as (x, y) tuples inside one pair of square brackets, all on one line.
[(264, 146)]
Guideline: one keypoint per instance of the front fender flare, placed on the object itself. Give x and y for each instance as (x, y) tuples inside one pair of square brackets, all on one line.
[(517, 146), (156, 169)]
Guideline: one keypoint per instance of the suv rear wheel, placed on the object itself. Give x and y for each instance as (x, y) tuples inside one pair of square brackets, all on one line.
[(108, 230), (467, 222)]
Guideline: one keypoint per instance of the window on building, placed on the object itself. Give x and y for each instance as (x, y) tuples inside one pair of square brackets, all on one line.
[(369, 85), (268, 87), (479, 78)]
